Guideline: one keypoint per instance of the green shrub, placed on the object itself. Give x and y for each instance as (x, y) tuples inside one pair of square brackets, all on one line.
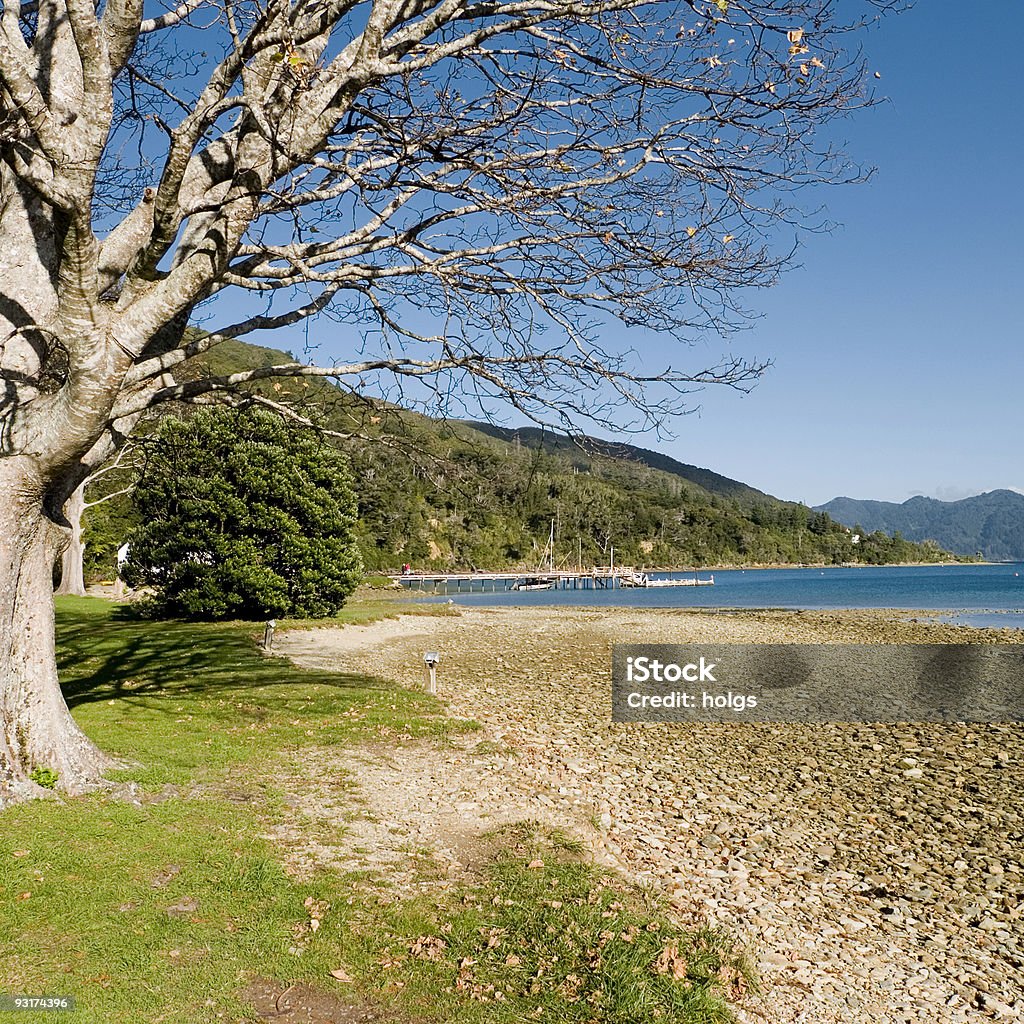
[(244, 516)]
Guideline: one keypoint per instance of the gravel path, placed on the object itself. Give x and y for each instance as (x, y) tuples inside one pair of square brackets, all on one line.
[(875, 871)]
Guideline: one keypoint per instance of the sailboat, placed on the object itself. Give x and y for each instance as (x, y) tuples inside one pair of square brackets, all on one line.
[(539, 581)]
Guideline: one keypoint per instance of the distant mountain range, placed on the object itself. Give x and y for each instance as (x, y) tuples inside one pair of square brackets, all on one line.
[(990, 523)]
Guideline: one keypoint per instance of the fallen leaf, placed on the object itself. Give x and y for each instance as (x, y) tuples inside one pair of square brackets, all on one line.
[(535, 864), (670, 962), (340, 974), (428, 947)]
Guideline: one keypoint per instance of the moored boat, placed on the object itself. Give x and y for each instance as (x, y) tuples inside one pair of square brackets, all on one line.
[(534, 583), (682, 583)]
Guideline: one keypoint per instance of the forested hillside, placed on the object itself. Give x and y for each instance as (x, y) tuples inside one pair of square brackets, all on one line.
[(451, 495), (712, 482), (469, 500)]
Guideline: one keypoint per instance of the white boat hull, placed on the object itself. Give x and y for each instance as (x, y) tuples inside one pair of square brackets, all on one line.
[(681, 583)]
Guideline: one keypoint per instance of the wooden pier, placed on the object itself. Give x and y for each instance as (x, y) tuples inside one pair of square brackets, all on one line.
[(601, 577)]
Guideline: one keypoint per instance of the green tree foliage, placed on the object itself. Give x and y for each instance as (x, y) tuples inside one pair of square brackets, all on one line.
[(468, 500), (243, 516)]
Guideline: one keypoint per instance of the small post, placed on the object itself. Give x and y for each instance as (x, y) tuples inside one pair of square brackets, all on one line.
[(268, 634), (430, 660)]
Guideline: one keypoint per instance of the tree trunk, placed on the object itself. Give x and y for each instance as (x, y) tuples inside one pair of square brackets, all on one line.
[(72, 570), (36, 728)]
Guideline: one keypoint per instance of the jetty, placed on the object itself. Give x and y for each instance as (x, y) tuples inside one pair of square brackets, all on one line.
[(600, 577)]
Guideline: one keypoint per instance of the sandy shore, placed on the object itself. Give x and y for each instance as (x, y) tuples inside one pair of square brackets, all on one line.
[(874, 871)]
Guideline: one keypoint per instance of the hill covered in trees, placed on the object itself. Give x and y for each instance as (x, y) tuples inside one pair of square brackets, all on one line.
[(991, 524), (709, 481), (447, 495)]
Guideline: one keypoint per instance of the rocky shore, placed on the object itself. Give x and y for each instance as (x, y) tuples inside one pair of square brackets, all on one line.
[(875, 872)]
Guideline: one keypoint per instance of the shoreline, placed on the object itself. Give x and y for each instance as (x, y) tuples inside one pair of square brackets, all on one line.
[(730, 566), (930, 616), (872, 870)]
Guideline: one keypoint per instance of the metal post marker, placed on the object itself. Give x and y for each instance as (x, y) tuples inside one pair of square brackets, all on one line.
[(430, 660), (268, 634)]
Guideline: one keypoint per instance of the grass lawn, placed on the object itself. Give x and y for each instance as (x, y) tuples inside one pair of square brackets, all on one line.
[(169, 906)]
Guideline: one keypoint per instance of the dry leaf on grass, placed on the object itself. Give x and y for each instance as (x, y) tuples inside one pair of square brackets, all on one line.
[(428, 947), (670, 962)]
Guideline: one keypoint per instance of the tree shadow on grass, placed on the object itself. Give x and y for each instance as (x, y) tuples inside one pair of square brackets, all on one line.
[(104, 655)]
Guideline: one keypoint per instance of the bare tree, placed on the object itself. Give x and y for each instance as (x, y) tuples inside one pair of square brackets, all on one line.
[(474, 190)]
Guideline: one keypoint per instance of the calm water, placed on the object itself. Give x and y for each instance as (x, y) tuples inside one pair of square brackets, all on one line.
[(980, 595)]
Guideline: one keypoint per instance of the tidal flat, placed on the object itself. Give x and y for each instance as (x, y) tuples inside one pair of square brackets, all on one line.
[(873, 872)]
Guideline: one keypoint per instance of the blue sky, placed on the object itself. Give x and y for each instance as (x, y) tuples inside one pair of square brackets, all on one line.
[(899, 345)]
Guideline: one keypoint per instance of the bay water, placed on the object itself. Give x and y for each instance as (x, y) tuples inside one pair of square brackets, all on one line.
[(976, 595)]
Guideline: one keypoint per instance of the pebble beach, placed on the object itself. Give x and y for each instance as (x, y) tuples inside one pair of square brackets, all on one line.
[(874, 873)]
